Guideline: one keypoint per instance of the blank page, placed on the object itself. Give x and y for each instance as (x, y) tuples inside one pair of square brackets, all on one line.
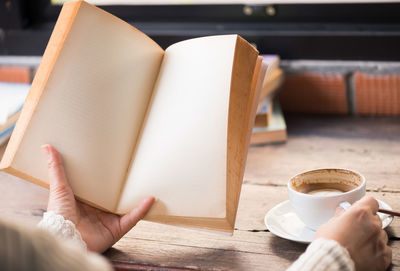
[(181, 155), (93, 105)]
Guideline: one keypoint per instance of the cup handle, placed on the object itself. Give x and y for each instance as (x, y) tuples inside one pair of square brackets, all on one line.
[(345, 205)]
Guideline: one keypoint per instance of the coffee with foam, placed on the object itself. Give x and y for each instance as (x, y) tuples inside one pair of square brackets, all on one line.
[(325, 183), (324, 188), (315, 195)]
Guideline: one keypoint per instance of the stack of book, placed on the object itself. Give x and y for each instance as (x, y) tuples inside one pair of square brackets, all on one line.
[(270, 126), (12, 97)]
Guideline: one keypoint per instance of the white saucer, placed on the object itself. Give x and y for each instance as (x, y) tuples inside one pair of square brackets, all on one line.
[(283, 222)]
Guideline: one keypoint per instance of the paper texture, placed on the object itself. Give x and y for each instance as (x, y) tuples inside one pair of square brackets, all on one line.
[(182, 152), (93, 105)]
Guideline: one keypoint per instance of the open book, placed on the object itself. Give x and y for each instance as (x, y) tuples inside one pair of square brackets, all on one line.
[(132, 120)]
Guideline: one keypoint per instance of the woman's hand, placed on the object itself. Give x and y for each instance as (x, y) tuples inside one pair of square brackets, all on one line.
[(100, 230), (359, 229)]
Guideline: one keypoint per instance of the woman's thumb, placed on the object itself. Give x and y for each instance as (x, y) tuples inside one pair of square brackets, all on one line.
[(57, 178)]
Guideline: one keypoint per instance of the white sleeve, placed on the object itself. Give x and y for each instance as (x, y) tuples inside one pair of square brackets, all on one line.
[(324, 255), (62, 228)]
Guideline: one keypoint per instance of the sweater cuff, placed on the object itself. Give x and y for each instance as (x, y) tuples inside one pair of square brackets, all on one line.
[(324, 255), (62, 228)]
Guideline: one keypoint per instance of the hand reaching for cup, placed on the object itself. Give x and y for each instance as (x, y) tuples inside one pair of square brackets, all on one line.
[(99, 229), (359, 229)]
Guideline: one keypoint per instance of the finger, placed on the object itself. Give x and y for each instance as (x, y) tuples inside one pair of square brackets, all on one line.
[(130, 219), (384, 237), (387, 257), (339, 210), (57, 178), (378, 221), (380, 242), (371, 202)]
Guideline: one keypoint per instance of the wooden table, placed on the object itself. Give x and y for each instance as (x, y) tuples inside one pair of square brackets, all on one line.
[(368, 145)]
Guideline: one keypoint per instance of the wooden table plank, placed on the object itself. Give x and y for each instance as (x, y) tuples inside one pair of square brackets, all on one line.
[(229, 254), (25, 201), (256, 200), (275, 253), (21, 201), (370, 146), (162, 245), (254, 249)]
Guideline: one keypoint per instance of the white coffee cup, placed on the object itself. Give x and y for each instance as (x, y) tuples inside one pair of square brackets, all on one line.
[(316, 194)]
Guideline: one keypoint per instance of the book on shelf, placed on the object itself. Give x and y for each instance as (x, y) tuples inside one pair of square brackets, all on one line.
[(12, 97), (264, 113), (132, 120), (15, 74), (275, 131), (274, 77), (272, 82), (5, 134)]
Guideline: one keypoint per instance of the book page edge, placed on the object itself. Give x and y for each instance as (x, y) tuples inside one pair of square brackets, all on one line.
[(213, 224), (246, 56)]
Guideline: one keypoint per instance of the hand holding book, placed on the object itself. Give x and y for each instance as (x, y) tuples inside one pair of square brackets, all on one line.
[(99, 229), (133, 120)]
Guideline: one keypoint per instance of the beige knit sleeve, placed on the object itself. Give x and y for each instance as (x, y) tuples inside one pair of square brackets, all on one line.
[(324, 255), (24, 248)]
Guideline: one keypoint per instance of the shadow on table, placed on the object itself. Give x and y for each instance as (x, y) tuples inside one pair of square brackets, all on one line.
[(392, 234), (286, 249), (178, 260)]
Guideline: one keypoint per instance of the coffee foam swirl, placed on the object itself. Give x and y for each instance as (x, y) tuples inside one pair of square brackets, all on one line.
[(325, 180)]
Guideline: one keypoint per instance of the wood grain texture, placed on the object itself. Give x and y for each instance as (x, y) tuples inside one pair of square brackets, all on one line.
[(21, 201), (266, 252), (160, 245), (368, 145)]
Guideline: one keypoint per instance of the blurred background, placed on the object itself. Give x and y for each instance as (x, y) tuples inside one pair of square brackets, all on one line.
[(335, 57)]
